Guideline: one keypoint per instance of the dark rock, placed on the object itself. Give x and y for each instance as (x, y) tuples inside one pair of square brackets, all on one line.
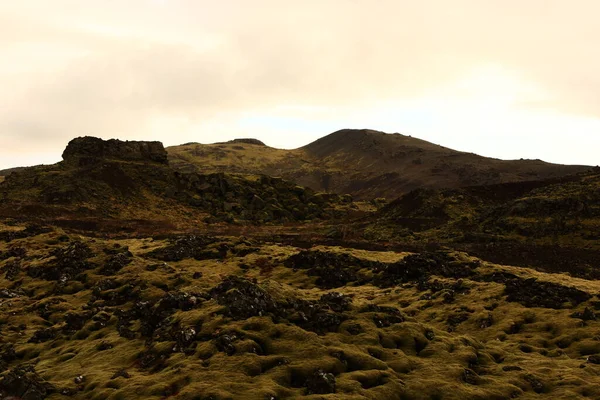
[(419, 267), (11, 270), (101, 320), (24, 383), (153, 316), (184, 338), (314, 316), (456, 319), (103, 346), (29, 231), (486, 322), (111, 293), (536, 384), (225, 343), (10, 294), (534, 293), (7, 352), (68, 263), (332, 269), (587, 315), (354, 329), (248, 141), (594, 359), (498, 277), (336, 301), (184, 247), (7, 355), (384, 316), (243, 299), (178, 301), (121, 374), (89, 150), (70, 392), (16, 252), (76, 321), (320, 383), (116, 262), (469, 376), (152, 359), (43, 335)]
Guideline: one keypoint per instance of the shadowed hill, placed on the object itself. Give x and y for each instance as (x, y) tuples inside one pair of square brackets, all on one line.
[(132, 180), (550, 224), (365, 163)]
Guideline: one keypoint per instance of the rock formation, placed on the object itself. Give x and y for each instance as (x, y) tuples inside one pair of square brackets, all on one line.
[(89, 150)]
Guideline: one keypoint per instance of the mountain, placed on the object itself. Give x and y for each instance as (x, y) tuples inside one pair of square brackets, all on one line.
[(131, 181), (364, 163)]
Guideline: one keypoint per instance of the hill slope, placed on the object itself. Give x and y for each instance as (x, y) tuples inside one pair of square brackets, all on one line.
[(551, 224), (132, 180), (365, 163)]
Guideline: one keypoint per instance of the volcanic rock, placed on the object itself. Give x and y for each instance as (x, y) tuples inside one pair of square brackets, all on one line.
[(90, 150)]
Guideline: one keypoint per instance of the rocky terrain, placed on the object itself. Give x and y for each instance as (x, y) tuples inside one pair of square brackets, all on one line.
[(202, 317), (364, 163), (126, 273)]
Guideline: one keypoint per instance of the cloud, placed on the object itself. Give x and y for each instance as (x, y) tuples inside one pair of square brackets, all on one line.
[(179, 71)]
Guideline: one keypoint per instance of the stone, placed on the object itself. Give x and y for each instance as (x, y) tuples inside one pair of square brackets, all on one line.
[(320, 383)]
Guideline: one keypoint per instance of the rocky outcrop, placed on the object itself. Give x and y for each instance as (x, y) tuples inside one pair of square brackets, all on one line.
[(248, 141), (90, 150)]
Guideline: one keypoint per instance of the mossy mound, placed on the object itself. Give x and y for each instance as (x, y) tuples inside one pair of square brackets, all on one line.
[(96, 318)]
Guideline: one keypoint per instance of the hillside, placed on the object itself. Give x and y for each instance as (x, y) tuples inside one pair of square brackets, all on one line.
[(5, 172), (364, 163), (549, 224), (128, 181)]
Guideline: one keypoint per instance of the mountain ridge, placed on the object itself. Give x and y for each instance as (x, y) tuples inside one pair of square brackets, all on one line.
[(366, 164)]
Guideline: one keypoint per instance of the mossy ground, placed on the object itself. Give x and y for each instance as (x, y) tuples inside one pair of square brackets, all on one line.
[(441, 337)]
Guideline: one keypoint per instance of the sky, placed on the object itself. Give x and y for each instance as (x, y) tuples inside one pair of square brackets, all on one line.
[(501, 78)]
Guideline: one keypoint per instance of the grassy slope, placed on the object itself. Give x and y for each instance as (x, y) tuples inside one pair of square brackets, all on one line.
[(364, 163), (122, 190), (473, 345)]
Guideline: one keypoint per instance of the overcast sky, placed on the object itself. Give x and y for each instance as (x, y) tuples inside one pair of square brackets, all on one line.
[(502, 78)]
